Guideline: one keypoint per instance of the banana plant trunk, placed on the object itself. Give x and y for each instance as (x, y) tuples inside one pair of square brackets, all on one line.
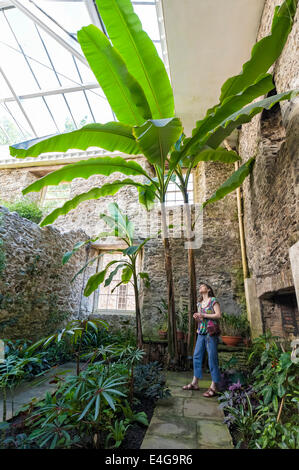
[(172, 338), (191, 277), (138, 314)]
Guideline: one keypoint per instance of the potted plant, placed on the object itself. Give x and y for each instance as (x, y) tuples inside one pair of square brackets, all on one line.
[(163, 328), (182, 324), (232, 327)]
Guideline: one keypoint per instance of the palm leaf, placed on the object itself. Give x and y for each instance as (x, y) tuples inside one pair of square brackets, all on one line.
[(232, 183), (122, 90), (134, 45), (108, 189), (110, 136), (265, 52), (86, 168), (156, 137)]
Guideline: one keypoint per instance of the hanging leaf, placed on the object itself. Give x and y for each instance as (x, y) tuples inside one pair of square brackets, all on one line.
[(110, 136), (86, 168), (138, 51), (232, 183), (122, 90), (108, 189), (219, 155), (156, 137), (265, 52)]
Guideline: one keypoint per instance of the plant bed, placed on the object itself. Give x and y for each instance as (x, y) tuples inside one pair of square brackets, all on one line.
[(136, 432)]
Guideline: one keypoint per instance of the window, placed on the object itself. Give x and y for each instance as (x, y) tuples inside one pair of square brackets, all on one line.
[(112, 298), (55, 196), (174, 196)]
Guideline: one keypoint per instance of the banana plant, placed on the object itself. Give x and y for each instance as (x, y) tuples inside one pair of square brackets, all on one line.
[(234, 109), (121, 227), (137, 86)]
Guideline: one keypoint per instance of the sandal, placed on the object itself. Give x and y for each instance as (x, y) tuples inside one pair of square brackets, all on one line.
[(210, 393), (190, 386)]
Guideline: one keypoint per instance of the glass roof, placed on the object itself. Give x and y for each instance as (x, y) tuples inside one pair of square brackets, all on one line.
[(46, 85)]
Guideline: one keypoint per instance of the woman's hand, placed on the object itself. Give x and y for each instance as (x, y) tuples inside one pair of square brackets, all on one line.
[(198, 316)]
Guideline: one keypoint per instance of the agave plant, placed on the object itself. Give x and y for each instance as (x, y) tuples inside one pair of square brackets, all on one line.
[(137, 86)]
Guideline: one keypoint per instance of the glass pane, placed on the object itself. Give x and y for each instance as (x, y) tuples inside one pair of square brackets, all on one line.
[(39, 116), (100, 106), (148, 17), (16, 70), (122, 298), (20, 118), (72, 15), (59, 109), (86, 74), (62, 60), (9, 131), (79, 108)]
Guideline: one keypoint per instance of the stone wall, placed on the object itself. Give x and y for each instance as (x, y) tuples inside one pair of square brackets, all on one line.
[(36, 295), (271, 192)]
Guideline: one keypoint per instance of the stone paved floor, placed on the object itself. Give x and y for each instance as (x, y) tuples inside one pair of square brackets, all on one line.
[(36, 389), (187, 420)]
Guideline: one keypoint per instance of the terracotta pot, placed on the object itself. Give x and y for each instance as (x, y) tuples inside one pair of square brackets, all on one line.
[(162, 334), (180, 335), (231, 340)]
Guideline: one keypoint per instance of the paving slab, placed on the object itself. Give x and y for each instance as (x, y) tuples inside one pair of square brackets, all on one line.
[(36, 389), (212, 435), (187, 420)]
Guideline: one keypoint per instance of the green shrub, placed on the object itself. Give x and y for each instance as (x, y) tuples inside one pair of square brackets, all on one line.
[(25, 208)]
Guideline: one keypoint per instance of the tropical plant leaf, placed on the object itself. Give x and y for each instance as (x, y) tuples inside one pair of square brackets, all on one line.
[(147, 195), (96, 279), (215, 136), (110, 136), (113, 273), (265, 52), (230, 105), (122, 90), (137, 49), (86, 168), (219, 155), (126, 274), (156, 137), (232, 183), (108, 189), (121, 222)]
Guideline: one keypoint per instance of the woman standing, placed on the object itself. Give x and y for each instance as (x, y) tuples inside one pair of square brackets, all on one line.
[(208, 331)]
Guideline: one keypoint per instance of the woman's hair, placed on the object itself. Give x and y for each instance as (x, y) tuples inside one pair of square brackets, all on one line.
[(210, 291)]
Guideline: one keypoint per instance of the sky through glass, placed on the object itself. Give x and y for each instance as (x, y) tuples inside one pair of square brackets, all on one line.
[(44, 89)]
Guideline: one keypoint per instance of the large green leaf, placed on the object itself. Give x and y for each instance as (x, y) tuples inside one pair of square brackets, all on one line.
[(219, 113), (86, 168), (156, 137), (265, 52), (108, 189), (122, 221), (215, 137), (96, 279), (122, 90), (137, 49), (210, 155), (232, 183), (147, 195), (110, 136)]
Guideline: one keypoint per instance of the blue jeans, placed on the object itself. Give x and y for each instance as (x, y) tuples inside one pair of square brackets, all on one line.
[(210, 343)]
